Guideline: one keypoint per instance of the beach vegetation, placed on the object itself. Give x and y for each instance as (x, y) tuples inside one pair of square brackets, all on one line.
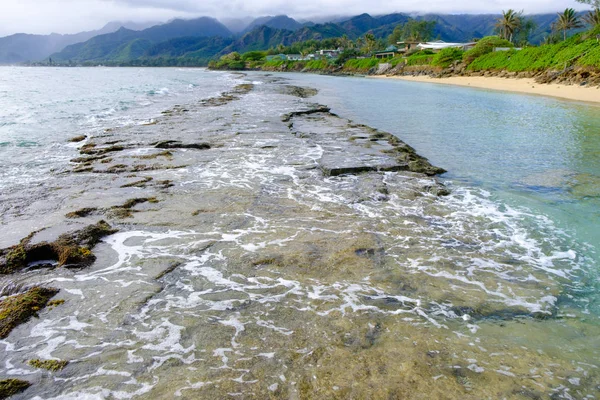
[(447, 57), (509, 23), (484, 46), (361, 64), (592, 18), (566, 21), (580, 50), (232, 61), (254, 55)]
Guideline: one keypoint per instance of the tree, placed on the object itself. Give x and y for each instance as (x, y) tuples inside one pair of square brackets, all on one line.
[(346, 43), (509, 23), (525, 29), (594, 3), (592, 18), (566, 21), (370, 43), (360, 43)]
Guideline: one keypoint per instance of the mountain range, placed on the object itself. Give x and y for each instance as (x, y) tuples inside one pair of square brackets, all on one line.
[(198, 40), (22, 47)]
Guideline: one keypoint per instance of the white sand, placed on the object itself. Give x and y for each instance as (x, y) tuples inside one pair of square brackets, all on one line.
[(526, 85)]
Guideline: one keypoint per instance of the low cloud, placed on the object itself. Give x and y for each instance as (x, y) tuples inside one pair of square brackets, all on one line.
[(70, 16)]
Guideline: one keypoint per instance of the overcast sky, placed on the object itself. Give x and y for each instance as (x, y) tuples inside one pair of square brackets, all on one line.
[(71, 16)]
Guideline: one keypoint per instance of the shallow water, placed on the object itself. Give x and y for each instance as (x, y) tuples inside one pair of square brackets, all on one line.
[(256, 276)]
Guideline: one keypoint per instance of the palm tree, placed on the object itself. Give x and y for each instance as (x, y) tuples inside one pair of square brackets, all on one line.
[(508, 24), (346, 43), (592, 18), (566, 21)]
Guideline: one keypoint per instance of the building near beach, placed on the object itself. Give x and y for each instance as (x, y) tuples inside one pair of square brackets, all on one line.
[(440, 45), (389, 52)]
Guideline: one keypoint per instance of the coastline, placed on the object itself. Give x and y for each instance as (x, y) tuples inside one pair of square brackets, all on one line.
[(515, 85)]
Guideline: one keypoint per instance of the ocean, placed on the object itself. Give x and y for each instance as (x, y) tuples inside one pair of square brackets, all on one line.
[(243, 268)]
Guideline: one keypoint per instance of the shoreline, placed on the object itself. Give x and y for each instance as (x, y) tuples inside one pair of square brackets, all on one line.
[(515, 85)]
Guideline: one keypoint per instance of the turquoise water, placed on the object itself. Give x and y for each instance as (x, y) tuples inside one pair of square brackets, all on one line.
[(528, 151)]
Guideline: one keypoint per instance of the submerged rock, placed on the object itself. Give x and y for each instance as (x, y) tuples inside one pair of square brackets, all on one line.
[(50, 365), (174, 144), (18, 309), (72, 249), (9, 387)]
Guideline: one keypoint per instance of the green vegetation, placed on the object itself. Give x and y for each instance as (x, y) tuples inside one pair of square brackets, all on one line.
[(423, 57), (232, 61), (9, 387), (485, 46), (580, 50), (361, 65), (50, 365), (566, 21), (15, 310), (446, 57), (508, 24), (414, 31)]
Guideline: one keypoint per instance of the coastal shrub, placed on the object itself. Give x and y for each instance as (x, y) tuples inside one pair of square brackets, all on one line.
[(485, 46), (361, 64), (396, 60), (591, 59), (315, 65), (346, 55), (496, 60), (446, 57), (419, 59), (254, 55), (231, 61), (522, 60)]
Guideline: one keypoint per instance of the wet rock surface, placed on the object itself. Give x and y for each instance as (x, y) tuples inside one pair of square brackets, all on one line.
[(297, 255)]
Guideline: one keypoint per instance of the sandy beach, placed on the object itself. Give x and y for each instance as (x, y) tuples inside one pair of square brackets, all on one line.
[(525, 85)]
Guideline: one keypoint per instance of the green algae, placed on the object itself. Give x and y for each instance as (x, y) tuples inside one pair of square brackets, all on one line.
[(83, 212), (73, 249), (18, 309), (125, 210), (9, 387), (50, 365)]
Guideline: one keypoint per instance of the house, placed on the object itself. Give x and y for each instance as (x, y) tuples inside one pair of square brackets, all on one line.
[(329, 53), (389, 52), (295, 57), (277, 57), (440, 44), (406, 46)]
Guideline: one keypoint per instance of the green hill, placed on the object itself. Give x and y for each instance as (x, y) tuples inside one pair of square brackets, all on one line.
[(118, 45)]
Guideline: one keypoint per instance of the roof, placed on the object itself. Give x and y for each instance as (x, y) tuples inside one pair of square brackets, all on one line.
[(438, 45)]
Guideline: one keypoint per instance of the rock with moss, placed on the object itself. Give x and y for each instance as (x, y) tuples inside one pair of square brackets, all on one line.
[(72, 249), (18, 309), (9, 387), (50, 365)]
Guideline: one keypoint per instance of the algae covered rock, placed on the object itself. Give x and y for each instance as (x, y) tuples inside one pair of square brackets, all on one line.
[(9, 387), (72, 249), (50, 365), (15, 310)]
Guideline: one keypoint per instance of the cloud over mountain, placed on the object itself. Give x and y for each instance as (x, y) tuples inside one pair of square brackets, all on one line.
[(70, 16)]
